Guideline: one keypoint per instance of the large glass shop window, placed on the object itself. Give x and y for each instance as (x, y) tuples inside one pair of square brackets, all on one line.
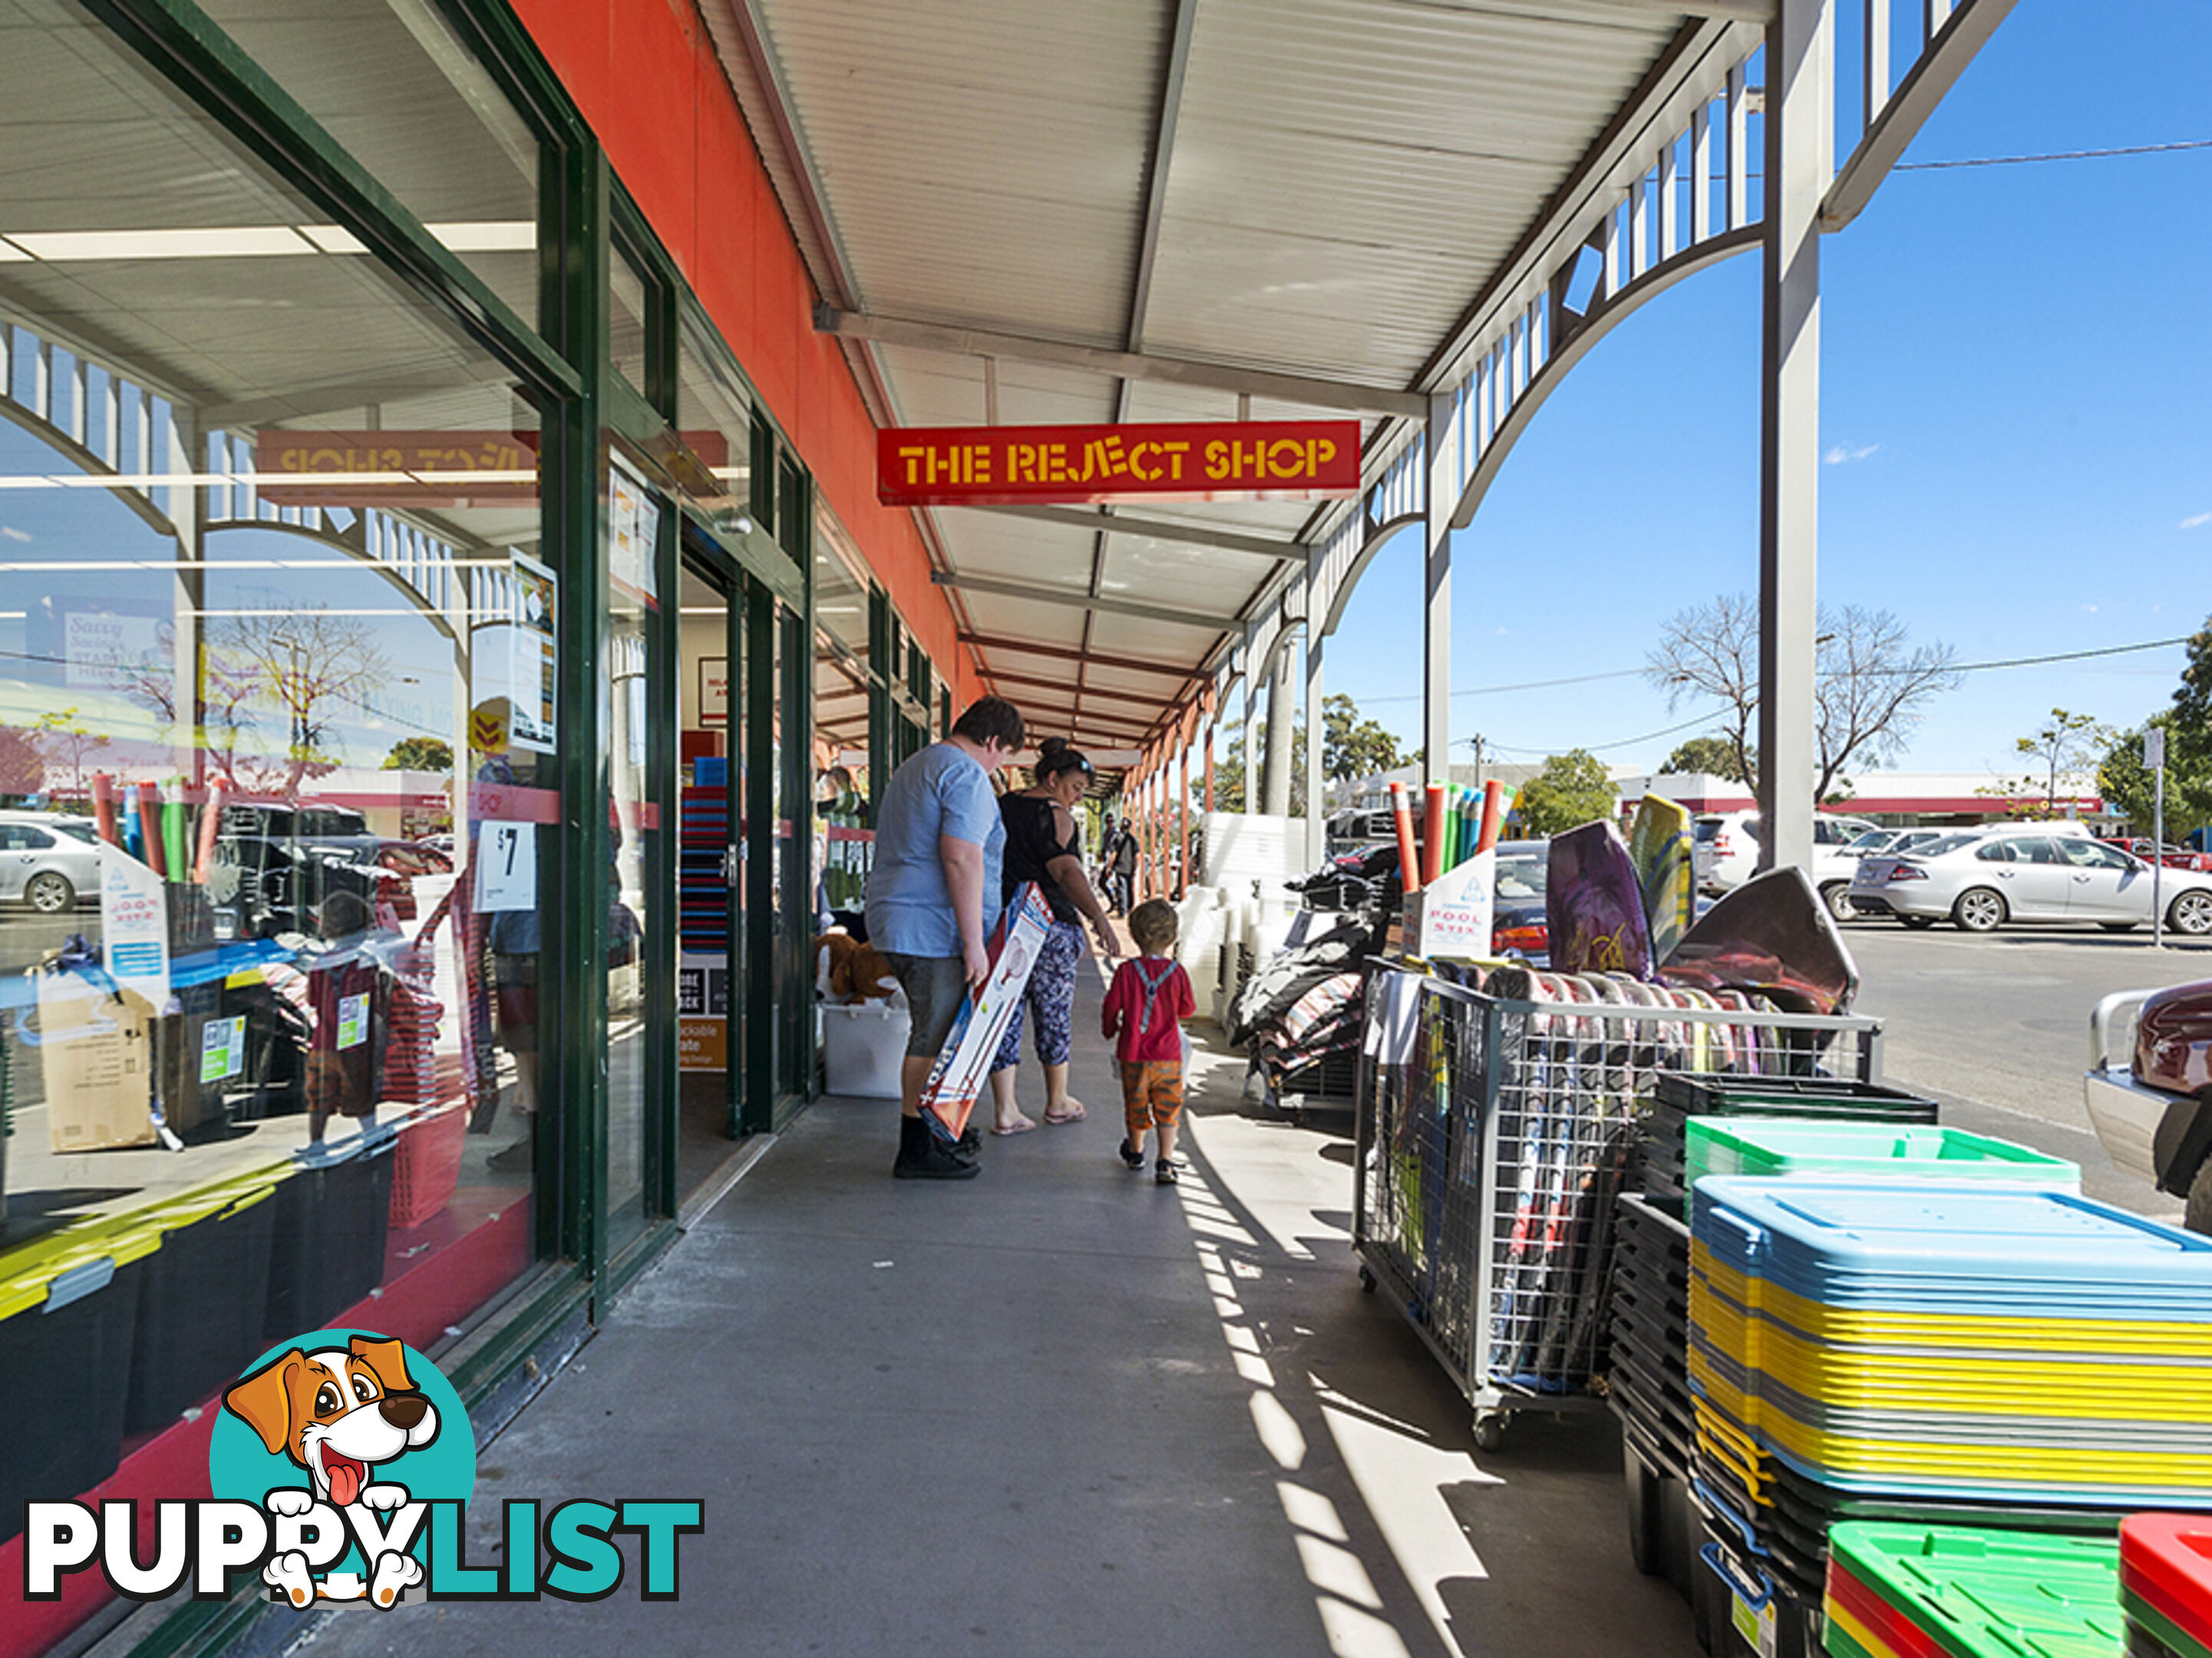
[(278, 656)]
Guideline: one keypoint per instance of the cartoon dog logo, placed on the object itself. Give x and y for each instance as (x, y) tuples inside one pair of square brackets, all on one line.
[(339, 1413)]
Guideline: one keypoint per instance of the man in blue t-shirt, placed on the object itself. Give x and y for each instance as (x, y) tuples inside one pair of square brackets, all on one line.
[(932, 885)]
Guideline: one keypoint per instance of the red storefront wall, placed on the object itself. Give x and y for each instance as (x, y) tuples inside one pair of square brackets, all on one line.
[(646, 76)]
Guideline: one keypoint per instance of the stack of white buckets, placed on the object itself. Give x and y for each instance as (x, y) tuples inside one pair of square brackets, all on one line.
[(1214, 930)]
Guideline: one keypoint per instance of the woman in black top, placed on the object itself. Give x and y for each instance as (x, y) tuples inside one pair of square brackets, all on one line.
[(1043, 845)]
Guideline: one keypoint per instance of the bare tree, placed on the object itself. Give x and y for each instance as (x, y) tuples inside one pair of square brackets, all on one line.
[(1712, 650), (1870, 689), (311, 665)]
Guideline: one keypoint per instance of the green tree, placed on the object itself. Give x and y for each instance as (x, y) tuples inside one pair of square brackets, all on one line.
[(1353, 747), (2063, 744), (64, 740), (2129, 787), (1571, 790), (1228, 791), (420, 754), (1714, 756)]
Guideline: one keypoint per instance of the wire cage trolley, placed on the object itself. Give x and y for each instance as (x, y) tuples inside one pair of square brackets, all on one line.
[(1493, 1137)]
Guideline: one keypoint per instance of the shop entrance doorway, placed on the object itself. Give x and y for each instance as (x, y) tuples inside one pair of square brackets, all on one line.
[(710, 1000)]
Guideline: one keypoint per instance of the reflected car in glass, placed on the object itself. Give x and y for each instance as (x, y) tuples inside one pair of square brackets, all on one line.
[(47, 861)]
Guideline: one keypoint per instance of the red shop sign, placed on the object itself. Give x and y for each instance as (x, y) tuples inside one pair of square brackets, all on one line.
[(1195, 460)]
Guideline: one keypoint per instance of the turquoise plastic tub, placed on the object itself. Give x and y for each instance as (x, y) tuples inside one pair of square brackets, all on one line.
[(1770, 1148)]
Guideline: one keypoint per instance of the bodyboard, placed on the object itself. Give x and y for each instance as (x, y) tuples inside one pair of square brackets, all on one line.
[(956, 1079), (1659, 846), (1594, 904), (1772, 936)]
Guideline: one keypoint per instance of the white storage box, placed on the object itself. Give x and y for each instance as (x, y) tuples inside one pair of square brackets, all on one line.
[(862, 1048)]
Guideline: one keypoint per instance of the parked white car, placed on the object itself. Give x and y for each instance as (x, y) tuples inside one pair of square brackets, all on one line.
[(1725, 854), (1979, 879), (47, 859)]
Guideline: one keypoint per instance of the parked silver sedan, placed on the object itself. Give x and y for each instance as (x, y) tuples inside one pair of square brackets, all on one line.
[(1979, 881), (46, 860)]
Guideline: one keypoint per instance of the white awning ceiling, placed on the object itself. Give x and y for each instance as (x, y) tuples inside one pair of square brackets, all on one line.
[(1324, 188)]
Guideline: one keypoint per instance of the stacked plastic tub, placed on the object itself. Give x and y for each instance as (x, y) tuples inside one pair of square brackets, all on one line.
[(1648, 1385), (1991, 1352), (2166, 1585), (1924, 1591)]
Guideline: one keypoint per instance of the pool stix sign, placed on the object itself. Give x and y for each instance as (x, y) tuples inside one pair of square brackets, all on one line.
[(1204, 460)]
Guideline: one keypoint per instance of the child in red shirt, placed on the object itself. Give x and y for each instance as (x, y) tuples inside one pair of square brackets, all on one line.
[(1145, 1007)]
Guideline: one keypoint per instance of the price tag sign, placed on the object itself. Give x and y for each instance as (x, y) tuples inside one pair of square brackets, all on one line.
[(507, 866), (223, 1049), (353, 1021)]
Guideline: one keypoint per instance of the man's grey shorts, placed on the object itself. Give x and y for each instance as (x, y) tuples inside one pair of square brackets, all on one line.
[(935, 987)]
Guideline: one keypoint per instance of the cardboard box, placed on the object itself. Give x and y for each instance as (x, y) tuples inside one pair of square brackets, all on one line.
[(97, 1054)]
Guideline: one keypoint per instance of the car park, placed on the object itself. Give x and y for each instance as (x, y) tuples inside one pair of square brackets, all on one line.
[(2149, 1091), (47, 861), (1725, 846), (1980, 879)]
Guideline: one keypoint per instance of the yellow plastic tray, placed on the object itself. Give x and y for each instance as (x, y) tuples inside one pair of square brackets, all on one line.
[(1867, 1327)]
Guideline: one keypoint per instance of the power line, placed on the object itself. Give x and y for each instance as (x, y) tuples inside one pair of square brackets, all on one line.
[(2055, 156), (2069, 656), (1711, 713)]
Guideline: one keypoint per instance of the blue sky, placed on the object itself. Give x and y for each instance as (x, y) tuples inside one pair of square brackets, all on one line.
[(2015, 398)]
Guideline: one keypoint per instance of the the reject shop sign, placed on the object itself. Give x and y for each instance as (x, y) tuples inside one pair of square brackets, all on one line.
[(1208, 460)]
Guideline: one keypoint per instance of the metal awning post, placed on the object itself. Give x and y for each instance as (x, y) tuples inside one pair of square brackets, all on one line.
[(1316, 839), (1799, 143), (1439, 501), (1277, 800)]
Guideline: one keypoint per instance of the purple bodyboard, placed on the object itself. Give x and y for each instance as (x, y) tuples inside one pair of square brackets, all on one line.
[(1594, 905)]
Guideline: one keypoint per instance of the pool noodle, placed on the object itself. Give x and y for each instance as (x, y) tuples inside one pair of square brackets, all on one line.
[(1432, 834), (1493, 814), (174, 841), (152, 850), (210, 826), (1466, 824), (103, 808), (1409, 865), (127, 828)]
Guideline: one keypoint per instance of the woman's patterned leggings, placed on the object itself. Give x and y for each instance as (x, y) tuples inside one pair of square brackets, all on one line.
[(1049, 1000)]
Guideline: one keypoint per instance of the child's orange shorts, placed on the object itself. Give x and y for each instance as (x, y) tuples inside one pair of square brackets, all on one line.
[(1151, 1095)]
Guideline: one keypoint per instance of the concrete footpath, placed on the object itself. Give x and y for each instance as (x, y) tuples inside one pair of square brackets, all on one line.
[(1055, 1409)]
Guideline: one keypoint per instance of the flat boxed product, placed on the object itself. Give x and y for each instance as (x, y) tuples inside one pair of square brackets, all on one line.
[(96, 1050)]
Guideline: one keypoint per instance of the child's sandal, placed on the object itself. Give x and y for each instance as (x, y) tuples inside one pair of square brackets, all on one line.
[(1132, 1156), (1165, 1173)]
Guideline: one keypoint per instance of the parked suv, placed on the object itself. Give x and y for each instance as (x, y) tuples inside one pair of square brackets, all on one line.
[(275, 866), (1725, 854), (46, 860)]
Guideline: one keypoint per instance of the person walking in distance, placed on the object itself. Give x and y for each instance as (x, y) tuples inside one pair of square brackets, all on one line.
[(1044, 845), (939, 842), (1142, 1014), (1121, 855)]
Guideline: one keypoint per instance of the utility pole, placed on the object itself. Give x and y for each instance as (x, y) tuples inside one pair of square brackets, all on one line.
[(2155, 757)]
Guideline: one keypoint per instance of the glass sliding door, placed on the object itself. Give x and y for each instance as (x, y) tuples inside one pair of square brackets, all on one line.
[(637, 677)]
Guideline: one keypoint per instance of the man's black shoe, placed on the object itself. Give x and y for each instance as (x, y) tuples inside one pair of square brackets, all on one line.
[(935, 1163), (922, 1156)]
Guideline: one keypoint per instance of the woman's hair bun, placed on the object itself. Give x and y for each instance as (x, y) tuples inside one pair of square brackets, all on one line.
[(1052, 747)]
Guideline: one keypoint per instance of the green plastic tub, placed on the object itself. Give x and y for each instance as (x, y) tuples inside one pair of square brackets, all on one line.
[(1774, 1147)]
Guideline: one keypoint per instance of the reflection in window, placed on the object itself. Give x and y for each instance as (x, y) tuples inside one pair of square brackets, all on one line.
[(276, 721)]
